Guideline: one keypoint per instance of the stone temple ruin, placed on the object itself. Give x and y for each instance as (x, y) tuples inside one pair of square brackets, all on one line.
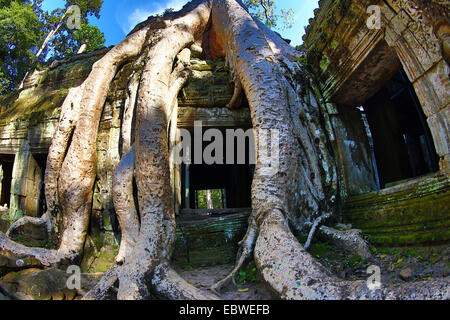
[(386, 93)]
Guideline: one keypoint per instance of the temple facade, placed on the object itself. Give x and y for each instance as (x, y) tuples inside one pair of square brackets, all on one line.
[(385, 93)]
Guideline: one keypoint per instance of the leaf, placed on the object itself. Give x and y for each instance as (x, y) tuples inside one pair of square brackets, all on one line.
[(383, 256), (242, 273), (244, 290)]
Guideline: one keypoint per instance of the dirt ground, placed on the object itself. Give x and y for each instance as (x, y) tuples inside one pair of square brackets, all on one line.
[(249, 286), (397, 264)]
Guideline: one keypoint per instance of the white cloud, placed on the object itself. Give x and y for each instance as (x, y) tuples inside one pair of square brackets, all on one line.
[(141, 14)]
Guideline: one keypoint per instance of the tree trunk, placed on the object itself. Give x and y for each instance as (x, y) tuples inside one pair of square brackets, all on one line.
[(44, 44), (298, 190), (209, 200)]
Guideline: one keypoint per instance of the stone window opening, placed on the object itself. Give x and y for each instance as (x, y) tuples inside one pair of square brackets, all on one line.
[(230, 184), (401, 142)]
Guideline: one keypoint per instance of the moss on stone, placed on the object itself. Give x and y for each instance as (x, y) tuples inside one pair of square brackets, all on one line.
[(409, 214), (211, 241), (34, 109)]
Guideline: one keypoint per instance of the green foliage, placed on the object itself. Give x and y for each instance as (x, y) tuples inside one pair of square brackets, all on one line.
[(303, 61), (67, 42), (265, 10), (91, 35), (23, 27), (20, 34), (87, 7), (249, 274), (320, 249), (216, 196), (355, 261)]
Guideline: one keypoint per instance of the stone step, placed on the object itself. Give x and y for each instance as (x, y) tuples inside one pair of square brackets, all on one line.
[(416, 212), (210, 240)]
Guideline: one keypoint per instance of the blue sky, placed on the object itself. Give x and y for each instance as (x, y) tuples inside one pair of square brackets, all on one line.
[(118, 17)]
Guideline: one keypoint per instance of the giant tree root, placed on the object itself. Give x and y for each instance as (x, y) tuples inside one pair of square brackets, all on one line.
[(314, 227), (350, 241), (305, 168), (295, 274), (107, 283), (28, 257), (244, 254), (142, 256), (25, 223), (61, 140), (125, 206), (71, 164), (167, 284)]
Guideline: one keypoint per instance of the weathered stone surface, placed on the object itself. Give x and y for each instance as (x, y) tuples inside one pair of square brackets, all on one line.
[(4, 222), (210, 241), (307, 165), (406, 274), (70, 72), (28, 123), (214, 117), (440, 125), (100, 252), (433, 88), (30, 235), (369, 77), (209, 86), (35, 284), (350, 241), (352, 61), (345, 76), (200, 242), (416, 212), (353, 152)]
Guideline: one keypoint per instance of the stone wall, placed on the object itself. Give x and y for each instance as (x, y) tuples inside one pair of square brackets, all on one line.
[(408, 214), (351, 63), (210, 241), (28, 122), (27, 125)]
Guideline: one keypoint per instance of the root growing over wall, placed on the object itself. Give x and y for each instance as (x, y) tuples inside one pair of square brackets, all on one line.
[(300, 189)]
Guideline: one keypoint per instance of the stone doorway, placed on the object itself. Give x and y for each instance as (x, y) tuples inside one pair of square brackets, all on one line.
[(229, 182), (210, 237), (41, 160), (402, 142), (6, 174)]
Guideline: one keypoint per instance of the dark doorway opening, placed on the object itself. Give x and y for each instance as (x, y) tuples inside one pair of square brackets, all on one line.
[(6, 174), (403, 144), (41, 160), (230, 184)]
